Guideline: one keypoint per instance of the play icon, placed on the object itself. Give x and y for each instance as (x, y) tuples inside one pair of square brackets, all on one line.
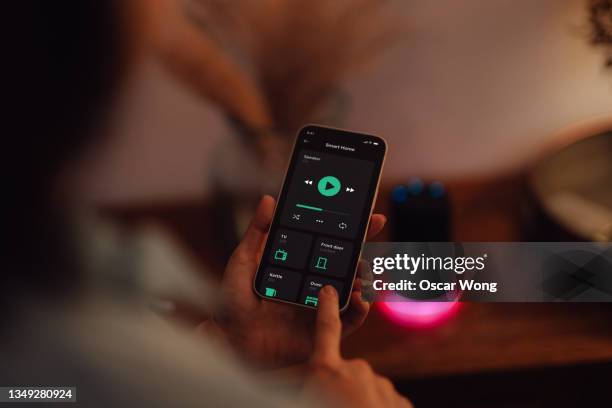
[(329, 186)]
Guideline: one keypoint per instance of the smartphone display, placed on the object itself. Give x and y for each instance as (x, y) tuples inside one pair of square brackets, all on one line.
[(321, 216)]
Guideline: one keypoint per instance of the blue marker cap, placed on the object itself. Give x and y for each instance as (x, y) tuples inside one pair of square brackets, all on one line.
[(415, 186), (399, 194), (436, 189)]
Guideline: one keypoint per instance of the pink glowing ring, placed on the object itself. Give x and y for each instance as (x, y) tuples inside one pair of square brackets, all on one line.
[(417, 314)]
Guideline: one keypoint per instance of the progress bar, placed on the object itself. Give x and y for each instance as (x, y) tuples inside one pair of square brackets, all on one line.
[(309, 207), (312, 208)]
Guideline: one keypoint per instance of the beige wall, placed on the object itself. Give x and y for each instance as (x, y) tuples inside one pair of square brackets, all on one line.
[(476, 87)]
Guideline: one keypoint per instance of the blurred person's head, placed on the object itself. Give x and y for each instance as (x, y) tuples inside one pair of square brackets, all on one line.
[(63, 67)]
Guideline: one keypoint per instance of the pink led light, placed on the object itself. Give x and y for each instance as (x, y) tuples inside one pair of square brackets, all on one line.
[(415, 314)]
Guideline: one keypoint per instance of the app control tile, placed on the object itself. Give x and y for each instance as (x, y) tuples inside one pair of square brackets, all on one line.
[(280, 283), (331, 257), (328, 195), (290, 249), (312, 286)]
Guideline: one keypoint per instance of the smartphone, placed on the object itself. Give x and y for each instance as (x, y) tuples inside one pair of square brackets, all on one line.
[(321, 216)]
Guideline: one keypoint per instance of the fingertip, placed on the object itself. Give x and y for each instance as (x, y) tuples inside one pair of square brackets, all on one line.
[(329, 292), (381, 220), (254, 236), (267, 199), (264, 212), (377, 223), (328, 301), (266, 204)]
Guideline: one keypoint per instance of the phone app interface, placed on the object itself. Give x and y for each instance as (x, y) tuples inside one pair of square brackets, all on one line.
[(319, 225), (327, 194)]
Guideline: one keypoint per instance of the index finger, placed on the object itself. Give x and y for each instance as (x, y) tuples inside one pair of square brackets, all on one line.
[(255, 234), (328, 327), (377, 223)]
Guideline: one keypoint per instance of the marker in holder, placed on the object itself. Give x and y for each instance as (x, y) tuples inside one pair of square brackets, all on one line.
[(420, 212)]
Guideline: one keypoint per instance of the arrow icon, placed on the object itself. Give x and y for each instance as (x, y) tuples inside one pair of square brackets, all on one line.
[(308, 182), (350, 189)]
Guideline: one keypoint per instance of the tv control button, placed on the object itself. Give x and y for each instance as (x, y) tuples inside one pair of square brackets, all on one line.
[(290, 249)]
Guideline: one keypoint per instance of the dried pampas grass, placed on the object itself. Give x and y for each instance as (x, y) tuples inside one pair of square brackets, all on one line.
[(297, 52)]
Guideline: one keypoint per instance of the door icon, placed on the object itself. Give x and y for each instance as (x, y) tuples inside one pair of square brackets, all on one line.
[(321, 263)]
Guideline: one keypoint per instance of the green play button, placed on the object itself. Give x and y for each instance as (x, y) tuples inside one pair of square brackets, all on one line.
[(329, 186)]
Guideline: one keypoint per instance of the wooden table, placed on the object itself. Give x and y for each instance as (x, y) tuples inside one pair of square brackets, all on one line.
[(482, 338)]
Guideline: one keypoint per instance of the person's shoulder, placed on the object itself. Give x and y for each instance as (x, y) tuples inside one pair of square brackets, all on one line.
[(118, 355)]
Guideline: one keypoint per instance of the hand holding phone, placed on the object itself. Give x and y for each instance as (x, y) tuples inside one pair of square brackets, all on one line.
[(271, 334)]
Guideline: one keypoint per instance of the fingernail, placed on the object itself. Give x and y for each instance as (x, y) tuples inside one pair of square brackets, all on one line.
[(329, 290)]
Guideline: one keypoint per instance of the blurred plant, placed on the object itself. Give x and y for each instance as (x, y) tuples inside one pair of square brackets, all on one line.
[(207, 68), (601, 25), (270, 66), (298, 51)]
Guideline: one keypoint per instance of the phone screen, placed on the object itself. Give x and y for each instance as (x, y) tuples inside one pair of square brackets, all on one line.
[(321, 216)]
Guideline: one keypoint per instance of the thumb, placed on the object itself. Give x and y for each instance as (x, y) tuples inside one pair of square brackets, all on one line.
[(255, 234), (328, 328)]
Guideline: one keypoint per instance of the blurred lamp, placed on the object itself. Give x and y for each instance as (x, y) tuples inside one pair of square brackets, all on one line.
[(418, 314)]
